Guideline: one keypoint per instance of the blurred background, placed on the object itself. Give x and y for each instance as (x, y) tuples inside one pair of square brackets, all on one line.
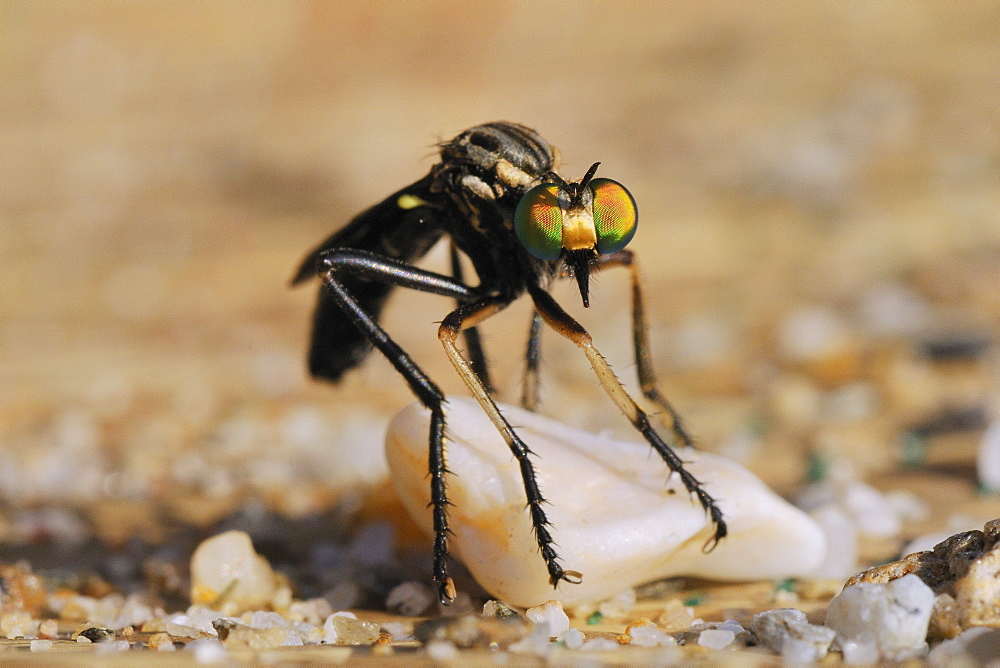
[(819, 196)]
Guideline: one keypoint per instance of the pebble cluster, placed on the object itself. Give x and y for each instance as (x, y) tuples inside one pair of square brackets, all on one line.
[(880, 615)]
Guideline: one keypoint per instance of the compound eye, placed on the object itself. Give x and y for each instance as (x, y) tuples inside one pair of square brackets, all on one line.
[(538, 222), (615, 215)]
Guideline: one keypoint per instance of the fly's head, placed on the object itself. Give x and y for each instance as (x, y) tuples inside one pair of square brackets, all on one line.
[(576, 222)]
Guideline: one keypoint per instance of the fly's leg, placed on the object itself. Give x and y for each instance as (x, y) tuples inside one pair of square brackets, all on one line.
[(466, 316), (473, 340), (379, 268), (640, 343), (556, 318), (532, 357)]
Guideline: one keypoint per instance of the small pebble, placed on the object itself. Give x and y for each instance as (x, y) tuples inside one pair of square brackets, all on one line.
[(344, 628), (244, 637), (227, 573), (207, 650), (398, 630), (644, 633), (716, 638), (977, 646), (572, 638), (889, 619), (112, 646), (551, 613), (441, 650), (618, 605), (676, 616), (410, 599), (841, 534), (988, 458), (40, 645), (49, 628), (500, 609), (600, 645), (537, 642), (788, 632), (161, 641)]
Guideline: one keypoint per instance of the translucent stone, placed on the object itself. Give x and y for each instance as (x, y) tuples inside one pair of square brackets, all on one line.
[(551, 613), (716, 638), (227, 573), (572, 638), (409, 598), (676, 616), (892, 618), (788, 632), (343, 628), (644, 633), (617, 515)]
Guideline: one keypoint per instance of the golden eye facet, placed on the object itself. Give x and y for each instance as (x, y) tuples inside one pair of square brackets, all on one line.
[(538, 222), (615, 215)]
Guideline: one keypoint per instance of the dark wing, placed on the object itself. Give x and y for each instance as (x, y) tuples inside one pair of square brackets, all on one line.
[(404, 226)]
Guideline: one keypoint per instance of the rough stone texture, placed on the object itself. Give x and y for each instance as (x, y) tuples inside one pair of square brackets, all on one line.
[(881, 620), (786, 631), (964, 573)]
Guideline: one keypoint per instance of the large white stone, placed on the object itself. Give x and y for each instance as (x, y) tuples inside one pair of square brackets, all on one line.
[(616, 514)]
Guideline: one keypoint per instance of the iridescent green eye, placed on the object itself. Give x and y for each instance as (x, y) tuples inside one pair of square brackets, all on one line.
[(538, 222), (615, 215)]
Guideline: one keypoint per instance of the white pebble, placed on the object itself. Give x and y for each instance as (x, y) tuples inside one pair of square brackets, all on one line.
[(811, 332), (788, 632), (112, 646), (618, 605), (621, 529), (870, 510), (841, 559), (441, 650), (207, 650), (346, 629), (227, 566), (892, 618), (978, 646), (551, 613), (410, 598), (572, 638), (599, 645), (732, 625), (398, 630), (988, 460), (262, 619), (716, 638), (537, 642), (40, 645), (645, 633)]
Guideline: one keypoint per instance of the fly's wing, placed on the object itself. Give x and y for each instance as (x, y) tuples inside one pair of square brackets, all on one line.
[(404, 226)]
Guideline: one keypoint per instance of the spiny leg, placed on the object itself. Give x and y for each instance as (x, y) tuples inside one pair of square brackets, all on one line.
[(376, 267), (473, 340), (640, 343), (565, 325), (532, 357), (470, 315)]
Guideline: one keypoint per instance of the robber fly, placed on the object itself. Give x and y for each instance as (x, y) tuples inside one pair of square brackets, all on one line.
[(497, 197)]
